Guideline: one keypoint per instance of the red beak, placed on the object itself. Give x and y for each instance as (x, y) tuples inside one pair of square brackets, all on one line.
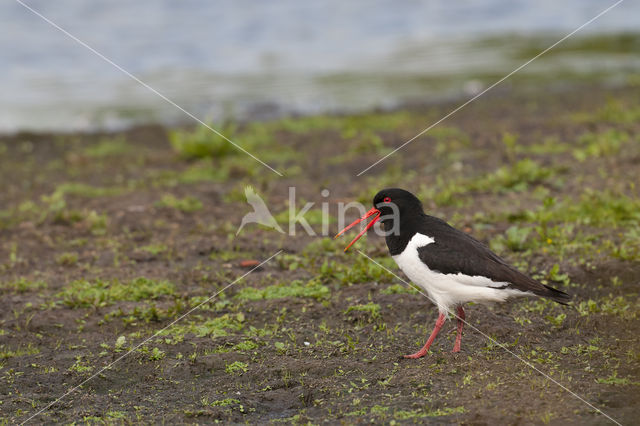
[(373, 212)]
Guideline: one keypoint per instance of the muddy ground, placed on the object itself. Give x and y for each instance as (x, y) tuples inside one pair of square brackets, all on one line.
[(106, 239)]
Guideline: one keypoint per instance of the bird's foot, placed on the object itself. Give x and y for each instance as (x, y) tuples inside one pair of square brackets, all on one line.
[(455, 349), (417, 355)]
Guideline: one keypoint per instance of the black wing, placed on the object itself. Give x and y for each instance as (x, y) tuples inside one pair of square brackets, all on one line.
[(456, 252)]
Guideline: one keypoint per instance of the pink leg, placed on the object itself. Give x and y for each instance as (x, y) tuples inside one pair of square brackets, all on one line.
[(456, 346), (422, 352)]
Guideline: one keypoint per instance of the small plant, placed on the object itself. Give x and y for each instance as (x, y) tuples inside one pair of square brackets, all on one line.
[(366, 313), (97, 223), (557, 320), (67, 259), (224, 402), (120, 342), (514, 239), (156, 354), (236, 368), (81, 366)]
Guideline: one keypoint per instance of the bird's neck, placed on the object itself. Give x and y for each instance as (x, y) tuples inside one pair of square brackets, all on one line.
[(397, 240)]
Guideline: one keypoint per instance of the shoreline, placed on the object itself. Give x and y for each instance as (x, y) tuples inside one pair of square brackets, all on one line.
[(451, 101)]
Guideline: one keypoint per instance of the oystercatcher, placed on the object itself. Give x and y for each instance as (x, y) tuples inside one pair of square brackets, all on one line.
[(450, 265)]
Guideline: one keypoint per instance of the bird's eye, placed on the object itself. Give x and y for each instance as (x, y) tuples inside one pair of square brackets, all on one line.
[(387, 199)]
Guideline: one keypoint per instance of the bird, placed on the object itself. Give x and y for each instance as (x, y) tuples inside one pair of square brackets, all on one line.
[(451, 266), (260, 213)]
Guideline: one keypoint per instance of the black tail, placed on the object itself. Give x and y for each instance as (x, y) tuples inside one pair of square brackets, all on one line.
[(555, 295)]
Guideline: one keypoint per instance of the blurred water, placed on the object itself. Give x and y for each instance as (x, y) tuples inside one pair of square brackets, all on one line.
[(264, 58)]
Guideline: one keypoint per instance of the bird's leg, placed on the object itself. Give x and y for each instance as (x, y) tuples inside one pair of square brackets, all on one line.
[(422, 352), (456, 345)]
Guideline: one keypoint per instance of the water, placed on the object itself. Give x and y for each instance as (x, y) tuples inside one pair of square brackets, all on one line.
[(262, 59)]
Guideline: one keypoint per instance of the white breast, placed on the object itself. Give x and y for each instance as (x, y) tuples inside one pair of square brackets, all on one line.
[(448, 290)]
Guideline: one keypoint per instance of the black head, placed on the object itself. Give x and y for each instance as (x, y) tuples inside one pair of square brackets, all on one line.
[(396, 209), (396, 201)]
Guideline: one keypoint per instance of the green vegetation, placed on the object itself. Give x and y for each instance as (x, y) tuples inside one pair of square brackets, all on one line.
[(67, 259), (237, 368), (107, 147), (224, 402), (622, 43), (514, 239), (517, 177), (613, 305), (399, 289), (83, 190), (81, 366), (296, 288), (602, 144), (617, 381), (188, 204), (22, 285), (154, 249), (5, 352), (418, 414), (213, 327), (96, 293), (368, 312), (202, 142)]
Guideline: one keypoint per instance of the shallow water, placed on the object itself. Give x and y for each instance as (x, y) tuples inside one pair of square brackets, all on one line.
[(263, 59)]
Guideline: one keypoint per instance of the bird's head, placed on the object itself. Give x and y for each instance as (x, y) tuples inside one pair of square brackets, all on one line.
[(389, 205), (394, 203)]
